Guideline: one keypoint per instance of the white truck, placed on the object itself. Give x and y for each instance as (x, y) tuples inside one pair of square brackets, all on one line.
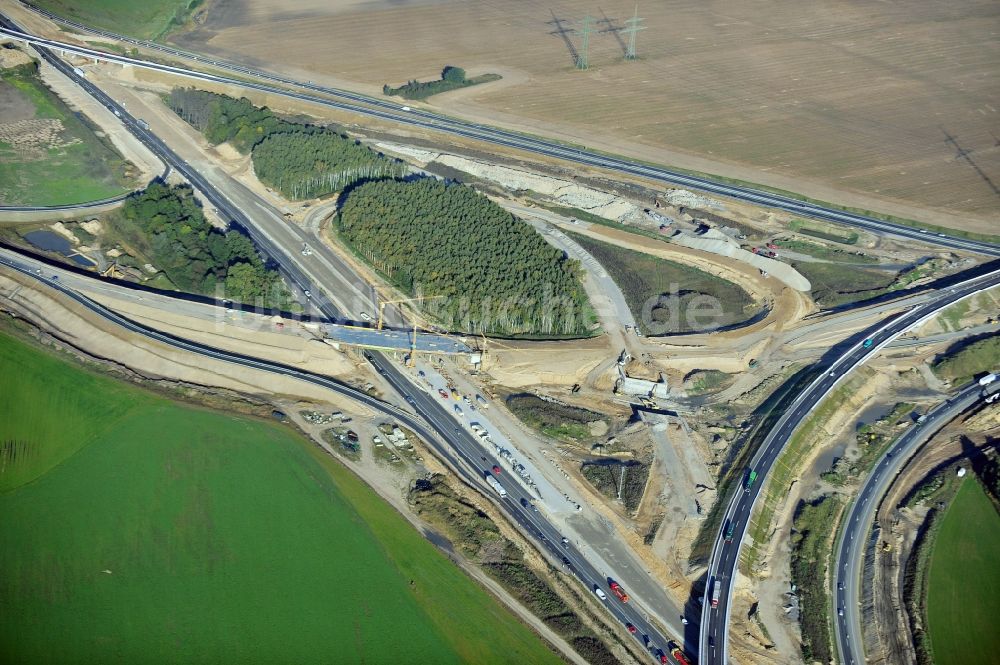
[(497, 487), (988, 379)]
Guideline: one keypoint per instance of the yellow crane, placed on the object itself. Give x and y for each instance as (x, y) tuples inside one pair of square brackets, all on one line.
[(383, 303)]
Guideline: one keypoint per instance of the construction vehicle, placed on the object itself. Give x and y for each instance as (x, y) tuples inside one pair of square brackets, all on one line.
[(497, 487), (716, 592), (618, 591)]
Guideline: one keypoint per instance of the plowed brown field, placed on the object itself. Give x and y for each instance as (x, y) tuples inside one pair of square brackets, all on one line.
[(865, 104)]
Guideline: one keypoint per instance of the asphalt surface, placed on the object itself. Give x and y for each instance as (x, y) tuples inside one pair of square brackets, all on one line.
[(714, 636), (394, 112), (853, 536), (461, 451)]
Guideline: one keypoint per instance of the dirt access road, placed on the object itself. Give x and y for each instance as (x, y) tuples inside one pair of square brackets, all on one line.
[(891, 107)]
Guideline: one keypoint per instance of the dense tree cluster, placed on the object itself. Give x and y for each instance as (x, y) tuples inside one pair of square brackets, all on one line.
[(304, 165), (451, 79), (166, 225), (495, 273), (297, 159)]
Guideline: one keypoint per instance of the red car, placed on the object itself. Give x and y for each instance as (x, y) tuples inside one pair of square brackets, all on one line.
[(496, 470), (631, 628), (442, 393), (663, 657)]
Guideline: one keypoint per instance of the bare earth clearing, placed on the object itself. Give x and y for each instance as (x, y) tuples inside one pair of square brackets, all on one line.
[(858, 104)]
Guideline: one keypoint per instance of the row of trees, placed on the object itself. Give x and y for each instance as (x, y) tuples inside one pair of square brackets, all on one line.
[(490, 270), (166, 225), (452, 78), (297, 159)]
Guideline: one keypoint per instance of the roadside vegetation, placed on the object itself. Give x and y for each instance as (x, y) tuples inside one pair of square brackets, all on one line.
[(149, 19), (661, 293), (786, 469), (49, 155), (703, 381), (452, 78), (836, 284), (825, 253), (823, 232), (960, 363), (166, 225), (812, 543), (488, 271), (479, 540), (872, 439), (299, 160), (142, 541), (559, 421), (616, 478)]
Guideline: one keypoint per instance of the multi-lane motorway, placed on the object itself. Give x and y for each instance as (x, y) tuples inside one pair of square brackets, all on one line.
[(724, 560), (462, 452), (853, 540), (713, 641), (372, 107), (459, 449)]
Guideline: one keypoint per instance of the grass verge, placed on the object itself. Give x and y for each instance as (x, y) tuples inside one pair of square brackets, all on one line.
[(668, 297), (59, 165), (479, 540), (967, 358), (786, 469), (560, 421), (150, 19), (812, 539)]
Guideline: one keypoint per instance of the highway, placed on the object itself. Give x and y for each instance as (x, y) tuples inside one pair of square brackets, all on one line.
[(724, 561), (460, 449), (463, 453), (855, 528), (393, 112)]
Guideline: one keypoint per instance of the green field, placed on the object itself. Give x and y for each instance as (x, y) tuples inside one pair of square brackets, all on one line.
[(135, 529), (148, 19), (79, 169), (963, 595)]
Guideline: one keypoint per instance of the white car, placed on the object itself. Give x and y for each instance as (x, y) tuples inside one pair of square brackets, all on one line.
[(365, 317), (459, 412)]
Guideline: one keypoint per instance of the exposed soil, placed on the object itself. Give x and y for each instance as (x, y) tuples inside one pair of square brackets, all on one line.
[(836, 101)]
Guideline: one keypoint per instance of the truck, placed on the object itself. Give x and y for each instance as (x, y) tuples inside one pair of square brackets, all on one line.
[(751, 479), (716, 592), (678, 654), (988, 379), (730, 527), (618, 591), (497, 487), (759, 251)]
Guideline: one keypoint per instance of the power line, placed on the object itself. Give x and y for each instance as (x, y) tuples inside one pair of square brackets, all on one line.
[(582, 60), (631, 30)]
